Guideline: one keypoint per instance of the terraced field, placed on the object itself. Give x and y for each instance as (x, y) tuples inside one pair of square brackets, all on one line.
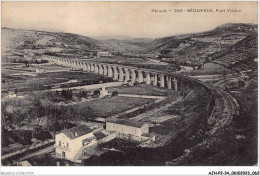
[(239, 56)]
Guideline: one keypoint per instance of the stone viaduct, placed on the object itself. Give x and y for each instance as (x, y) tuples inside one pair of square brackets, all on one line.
[(124, 73), (160, 79)]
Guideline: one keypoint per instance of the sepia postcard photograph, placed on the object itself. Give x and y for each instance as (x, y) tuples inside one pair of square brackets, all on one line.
[(129, 83)]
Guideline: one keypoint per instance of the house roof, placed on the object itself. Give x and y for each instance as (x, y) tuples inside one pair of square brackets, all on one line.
[(149, 134), (76, 131), (99, 135), (127, 122), (89, 139)]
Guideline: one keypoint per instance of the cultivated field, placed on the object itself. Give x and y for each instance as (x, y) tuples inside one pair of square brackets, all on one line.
[(109, 106), (141, 89), (26, 79)]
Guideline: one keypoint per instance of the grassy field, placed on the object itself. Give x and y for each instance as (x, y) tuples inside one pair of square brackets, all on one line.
[(47, 80), (110, 106), (140, 89)]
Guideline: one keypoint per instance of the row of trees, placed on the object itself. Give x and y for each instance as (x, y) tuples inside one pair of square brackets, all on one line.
[(32, 111), (67, 95)]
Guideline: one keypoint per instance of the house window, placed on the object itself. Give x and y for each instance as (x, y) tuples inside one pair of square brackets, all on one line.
[(59, 143), (67, 144)]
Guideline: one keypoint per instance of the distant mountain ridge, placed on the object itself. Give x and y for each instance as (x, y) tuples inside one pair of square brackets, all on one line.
[(157, 44), (111, 37), (203, 43), (17, 38), (214, 44), (237, 27)]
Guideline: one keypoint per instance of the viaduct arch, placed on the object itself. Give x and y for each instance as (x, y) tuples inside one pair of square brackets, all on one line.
[(124, 73)]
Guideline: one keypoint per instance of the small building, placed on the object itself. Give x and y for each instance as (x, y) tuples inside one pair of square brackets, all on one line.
[(188, 61), (127, 127), (69, 143), (12, 94), (182, 45), (38, 60), (29, 55), (128, 83), (39, 70), (24, 163), (104, 54), (103, 92), (186, 68), (90, 53)]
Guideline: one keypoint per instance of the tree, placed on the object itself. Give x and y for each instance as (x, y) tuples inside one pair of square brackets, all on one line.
[(114, 93), (5, 114), (27, 64), (67, 94), (87, 114), (16, 91), (83, 94), (96, 92)]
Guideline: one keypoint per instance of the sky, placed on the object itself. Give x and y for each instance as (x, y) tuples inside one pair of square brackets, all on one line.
[(135, 19)]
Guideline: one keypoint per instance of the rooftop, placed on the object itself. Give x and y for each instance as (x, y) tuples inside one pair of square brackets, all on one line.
[(127, 122), (76, 131), (99, 135), (89, 139)]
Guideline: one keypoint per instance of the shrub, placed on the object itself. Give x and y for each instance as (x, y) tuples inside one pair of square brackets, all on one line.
[(96, 92), (114, 93)]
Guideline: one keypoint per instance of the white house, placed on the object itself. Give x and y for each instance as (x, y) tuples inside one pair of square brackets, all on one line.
[(103, 92), (127, 127), (69, 143), (23, 163), (104, 53), (186, 68), (39, 70), (11, 94), (38, 59)]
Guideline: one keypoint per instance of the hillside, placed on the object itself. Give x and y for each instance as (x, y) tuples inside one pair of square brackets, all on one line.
[(22, 41), (206, 44), (233, 45), (136, 45), (116, 37), (240, 56)]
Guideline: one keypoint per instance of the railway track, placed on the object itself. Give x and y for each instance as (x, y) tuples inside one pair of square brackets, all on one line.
[(226, 107)]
